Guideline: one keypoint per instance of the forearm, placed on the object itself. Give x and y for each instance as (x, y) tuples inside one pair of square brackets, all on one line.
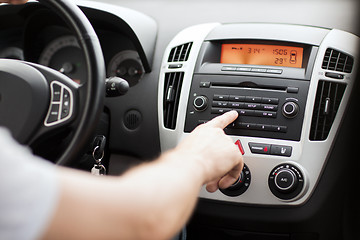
[(165, 192), (153, 200)]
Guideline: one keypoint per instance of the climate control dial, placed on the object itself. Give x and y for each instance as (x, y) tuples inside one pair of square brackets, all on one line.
[(286, 181), (241, 185)]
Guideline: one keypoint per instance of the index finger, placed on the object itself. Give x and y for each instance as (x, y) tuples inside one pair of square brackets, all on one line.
[(223, 120)]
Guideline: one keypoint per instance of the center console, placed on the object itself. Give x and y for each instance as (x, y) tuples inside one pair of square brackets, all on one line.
[(290, 85)]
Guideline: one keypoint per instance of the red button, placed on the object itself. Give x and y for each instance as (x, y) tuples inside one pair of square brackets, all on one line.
[(238, 143)]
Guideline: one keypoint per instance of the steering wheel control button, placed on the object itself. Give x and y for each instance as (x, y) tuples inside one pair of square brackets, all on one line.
[(54, 113), (56, 94), (241, 185), (200, 103), (259, 148), (290, 109), (61, 105), (286, 181)]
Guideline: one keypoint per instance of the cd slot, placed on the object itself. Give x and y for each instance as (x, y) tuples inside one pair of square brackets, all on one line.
[(248, 85)]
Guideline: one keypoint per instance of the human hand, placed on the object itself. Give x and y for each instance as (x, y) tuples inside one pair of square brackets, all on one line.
[(13, 1), (217, 154)]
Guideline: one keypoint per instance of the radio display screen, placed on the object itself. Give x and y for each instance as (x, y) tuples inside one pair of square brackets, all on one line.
[(262, 54)]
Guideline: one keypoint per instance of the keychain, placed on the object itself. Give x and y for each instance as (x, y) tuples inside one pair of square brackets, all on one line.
[(98, 168)]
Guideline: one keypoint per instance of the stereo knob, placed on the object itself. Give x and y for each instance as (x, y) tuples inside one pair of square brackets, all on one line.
[(200, 103), (290, 109)]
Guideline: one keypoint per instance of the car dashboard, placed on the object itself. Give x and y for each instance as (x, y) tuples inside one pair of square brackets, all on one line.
[(51, 43), (292, 79)]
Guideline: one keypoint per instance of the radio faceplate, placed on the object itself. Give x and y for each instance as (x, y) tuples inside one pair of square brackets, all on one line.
[(268, 107)]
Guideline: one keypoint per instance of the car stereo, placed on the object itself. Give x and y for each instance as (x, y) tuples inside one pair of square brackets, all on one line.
[(270, 105)]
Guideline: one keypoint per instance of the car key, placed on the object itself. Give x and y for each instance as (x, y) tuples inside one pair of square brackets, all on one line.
[(98, 168)]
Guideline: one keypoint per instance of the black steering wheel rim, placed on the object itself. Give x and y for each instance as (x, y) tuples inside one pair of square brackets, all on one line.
[(93, 100)]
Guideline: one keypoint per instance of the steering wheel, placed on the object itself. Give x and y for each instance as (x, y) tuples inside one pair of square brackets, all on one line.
[(37, 102)]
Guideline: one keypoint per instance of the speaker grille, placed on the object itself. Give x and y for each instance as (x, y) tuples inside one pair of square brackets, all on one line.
[(132, 119)]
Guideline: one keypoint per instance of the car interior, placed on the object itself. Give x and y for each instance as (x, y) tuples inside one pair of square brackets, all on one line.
[(108, 85)]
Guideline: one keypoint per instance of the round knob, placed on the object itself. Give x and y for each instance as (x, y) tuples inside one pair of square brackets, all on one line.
[(241, 185), (239, 182), (290, 109), (200, 103), (285, 180)]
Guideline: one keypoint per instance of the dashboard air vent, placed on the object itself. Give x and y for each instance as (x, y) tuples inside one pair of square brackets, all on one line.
[(328, 98), (172, 90), (337, 61), (180, 53)]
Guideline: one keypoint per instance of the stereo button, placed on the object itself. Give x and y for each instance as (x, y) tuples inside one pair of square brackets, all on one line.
[(259, 70), (264, 127), (228, 68), (249, 126), (243, 69), (270, 100), (275, 71), (237, 98), (204, 84), (245, 112), (253, 99), (282, 129), (252, 106), (267, 114), (235, 105), (269, 107), (219, 110), (220, 104), (221, 97)]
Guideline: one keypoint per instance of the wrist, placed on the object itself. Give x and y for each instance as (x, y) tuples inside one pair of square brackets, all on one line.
[(187, 162)]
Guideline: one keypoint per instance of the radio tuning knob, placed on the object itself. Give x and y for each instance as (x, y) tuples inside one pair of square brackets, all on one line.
[(200, 103), (290, 109)]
